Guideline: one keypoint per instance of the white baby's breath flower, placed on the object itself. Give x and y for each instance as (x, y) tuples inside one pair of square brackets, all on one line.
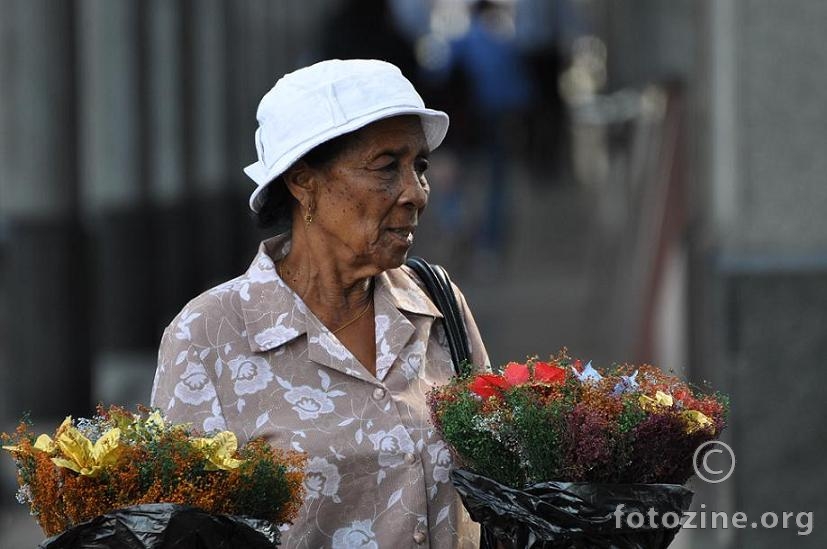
[(24, 495)]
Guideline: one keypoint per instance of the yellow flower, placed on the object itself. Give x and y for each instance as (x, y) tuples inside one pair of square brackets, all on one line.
[(133, 426), (695, 421), (652, 404), (84, 457), (156, 420), (44, 443), (219, 451)]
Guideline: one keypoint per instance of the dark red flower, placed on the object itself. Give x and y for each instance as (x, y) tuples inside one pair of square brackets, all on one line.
[(548, 373), (516, 373), (488, 385)]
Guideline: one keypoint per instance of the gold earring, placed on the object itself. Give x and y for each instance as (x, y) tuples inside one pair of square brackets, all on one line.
[(308, 217)]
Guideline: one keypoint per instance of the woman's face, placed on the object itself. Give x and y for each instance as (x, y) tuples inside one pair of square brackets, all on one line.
[(370, 198)]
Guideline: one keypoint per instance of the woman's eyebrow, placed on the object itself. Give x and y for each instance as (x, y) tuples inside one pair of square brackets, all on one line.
[(401, 151)]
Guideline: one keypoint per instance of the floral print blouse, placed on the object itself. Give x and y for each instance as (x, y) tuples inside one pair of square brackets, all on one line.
[(250, 357)]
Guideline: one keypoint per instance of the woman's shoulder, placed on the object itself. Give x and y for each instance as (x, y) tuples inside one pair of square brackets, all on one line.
[(403, 281), (406, 276), (408, 288), (220, 304)]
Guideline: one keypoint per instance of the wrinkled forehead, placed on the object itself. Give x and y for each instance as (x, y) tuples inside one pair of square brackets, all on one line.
[(394, 133)]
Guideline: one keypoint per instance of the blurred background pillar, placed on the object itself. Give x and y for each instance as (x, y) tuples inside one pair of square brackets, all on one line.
[(206, 111), (762, 290), (114, 172), (45, 343), (166, 92)]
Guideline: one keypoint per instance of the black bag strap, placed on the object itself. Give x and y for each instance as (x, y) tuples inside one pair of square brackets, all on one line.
[(439, 288)]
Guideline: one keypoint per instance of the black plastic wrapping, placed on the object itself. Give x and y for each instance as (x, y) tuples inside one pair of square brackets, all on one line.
[(166, 526), (569, 515)]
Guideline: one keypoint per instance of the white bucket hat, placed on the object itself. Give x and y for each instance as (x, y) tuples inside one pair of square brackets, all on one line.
[(317, 103)]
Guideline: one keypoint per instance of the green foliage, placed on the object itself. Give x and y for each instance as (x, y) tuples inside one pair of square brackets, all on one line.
[(538, 430), (461, 430), (268, 488), (631, 416), (724, 400), (466, 369)]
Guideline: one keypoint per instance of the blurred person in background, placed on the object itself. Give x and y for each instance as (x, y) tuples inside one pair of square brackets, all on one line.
[(545, 31), (327, 344), (501, 89)]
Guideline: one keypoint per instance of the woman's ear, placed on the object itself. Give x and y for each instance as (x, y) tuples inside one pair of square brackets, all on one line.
[(301, 182)]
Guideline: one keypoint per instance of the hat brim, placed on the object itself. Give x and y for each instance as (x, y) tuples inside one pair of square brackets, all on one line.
[(434, 125)]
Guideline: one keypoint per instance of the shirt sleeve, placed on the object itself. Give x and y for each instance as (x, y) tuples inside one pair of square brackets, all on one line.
[(185, 386)]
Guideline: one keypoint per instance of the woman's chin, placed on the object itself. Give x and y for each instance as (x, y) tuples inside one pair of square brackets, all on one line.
[(395, 250), (392, 259)]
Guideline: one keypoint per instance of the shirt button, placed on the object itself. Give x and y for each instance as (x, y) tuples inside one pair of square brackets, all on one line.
[(410, 459), (378, 393), (419, 537)]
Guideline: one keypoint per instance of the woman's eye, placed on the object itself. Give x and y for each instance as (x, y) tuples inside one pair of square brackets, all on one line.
[(421, 165), (390, 166)]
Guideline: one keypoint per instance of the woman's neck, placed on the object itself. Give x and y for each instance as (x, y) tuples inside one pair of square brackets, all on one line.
[(332, 287), (336, 290)]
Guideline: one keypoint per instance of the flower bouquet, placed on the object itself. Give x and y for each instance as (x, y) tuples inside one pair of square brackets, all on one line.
[(134, 481), (552, 454)]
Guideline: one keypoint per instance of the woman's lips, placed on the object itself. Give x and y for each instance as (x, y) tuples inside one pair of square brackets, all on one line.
[(403, 234)]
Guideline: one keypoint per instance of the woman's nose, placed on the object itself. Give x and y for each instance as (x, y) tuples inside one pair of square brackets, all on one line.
[(416, 189)]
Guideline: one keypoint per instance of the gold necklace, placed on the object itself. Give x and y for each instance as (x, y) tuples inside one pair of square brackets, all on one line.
[(346, 324), (354, 319)]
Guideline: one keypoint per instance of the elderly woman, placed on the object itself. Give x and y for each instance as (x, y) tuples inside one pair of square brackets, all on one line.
[(327, 344)]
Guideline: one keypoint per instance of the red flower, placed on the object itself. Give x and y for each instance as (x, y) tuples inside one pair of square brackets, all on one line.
[(488, 385), (683, 395), (545, 372), (516, 373)]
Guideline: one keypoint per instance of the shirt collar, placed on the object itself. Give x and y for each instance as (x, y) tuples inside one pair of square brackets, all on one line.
[(273, 313), (402, 288)]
